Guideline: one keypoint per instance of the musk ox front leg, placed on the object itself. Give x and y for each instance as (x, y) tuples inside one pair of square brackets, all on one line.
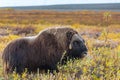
[(53, 68), (50, 68)]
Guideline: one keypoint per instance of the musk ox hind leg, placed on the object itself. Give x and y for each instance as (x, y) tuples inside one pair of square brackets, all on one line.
[(14, 57)]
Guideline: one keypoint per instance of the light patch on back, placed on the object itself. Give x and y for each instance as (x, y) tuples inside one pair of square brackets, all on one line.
[(31, 38)]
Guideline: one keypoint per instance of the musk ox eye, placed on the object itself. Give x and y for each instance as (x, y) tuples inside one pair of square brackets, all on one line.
[(76, 43)]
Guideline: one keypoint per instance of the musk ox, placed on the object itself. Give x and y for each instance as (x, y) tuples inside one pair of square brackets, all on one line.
[(44, 50)]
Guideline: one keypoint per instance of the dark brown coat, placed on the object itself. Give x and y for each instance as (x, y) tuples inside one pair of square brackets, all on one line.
[(43, 51)]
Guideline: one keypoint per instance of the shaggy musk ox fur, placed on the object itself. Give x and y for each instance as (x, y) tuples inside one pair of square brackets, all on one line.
[(43, 51)]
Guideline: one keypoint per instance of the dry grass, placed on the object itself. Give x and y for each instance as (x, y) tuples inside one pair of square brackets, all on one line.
[(48, 17)]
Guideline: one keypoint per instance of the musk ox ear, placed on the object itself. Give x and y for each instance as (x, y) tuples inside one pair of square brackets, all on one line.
[(69, 35)]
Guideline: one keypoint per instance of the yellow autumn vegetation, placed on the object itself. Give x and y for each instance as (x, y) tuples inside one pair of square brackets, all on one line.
[(103, 42)]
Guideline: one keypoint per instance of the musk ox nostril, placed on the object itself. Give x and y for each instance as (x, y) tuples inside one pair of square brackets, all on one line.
[(85, 52)]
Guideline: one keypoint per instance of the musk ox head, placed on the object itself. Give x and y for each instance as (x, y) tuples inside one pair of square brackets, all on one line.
[(77, 47)]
